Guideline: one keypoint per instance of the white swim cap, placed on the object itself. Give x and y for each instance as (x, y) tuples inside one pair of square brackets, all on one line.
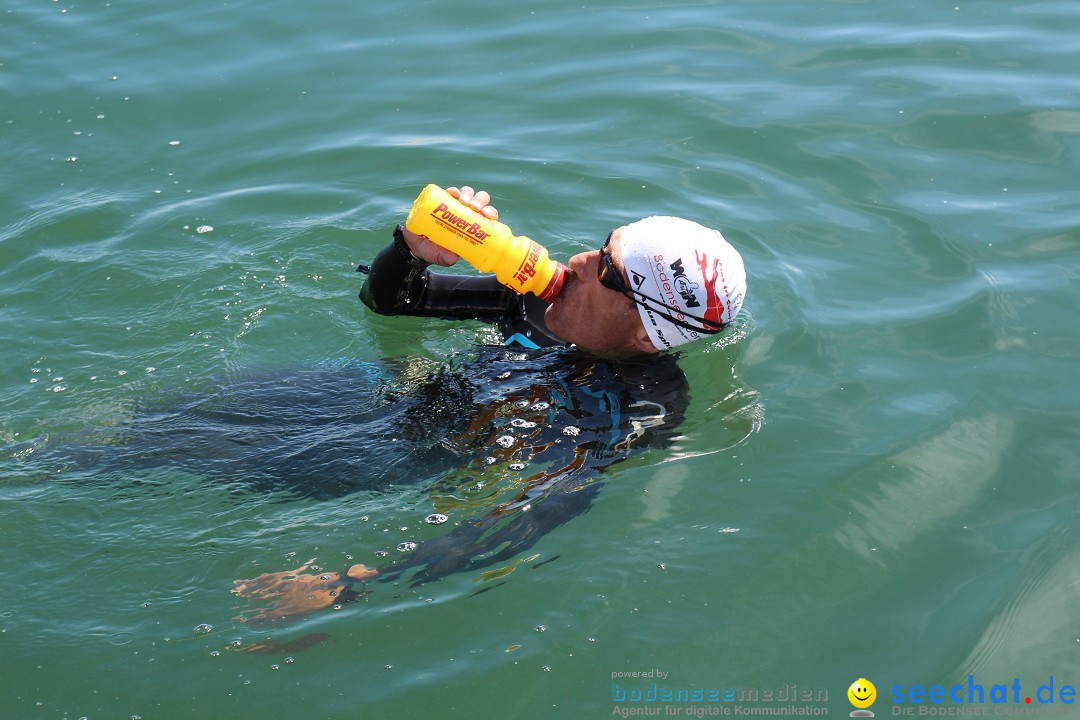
[(683, 269)]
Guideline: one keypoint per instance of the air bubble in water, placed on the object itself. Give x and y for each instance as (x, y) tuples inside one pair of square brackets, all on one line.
[(204, 629), (435, 519)]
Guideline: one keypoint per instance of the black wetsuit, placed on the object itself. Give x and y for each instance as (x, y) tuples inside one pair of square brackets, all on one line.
[(400, 284)]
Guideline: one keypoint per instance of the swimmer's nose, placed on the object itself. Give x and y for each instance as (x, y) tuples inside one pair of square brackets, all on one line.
[(579, 264)]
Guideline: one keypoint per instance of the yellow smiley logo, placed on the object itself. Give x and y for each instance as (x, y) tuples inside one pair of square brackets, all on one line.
[(862, 693)]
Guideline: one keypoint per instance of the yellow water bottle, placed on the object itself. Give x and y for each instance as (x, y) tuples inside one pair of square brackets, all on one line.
[(488, 245)]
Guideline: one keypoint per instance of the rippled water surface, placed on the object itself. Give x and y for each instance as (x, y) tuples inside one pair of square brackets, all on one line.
[(875, 474)]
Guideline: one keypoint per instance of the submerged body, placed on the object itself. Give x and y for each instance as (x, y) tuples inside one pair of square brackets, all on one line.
[(508, 443), (517, 446)]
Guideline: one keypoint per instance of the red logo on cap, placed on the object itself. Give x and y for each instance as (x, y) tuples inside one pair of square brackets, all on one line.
[(715, 310)]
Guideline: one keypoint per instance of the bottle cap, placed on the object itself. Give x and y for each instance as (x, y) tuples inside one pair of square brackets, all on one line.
[(554, 287)]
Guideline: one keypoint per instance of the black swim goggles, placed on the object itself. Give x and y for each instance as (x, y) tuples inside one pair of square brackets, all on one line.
[(612, 279)]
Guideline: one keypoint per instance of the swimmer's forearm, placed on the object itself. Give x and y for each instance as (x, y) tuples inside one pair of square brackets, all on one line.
[(400, 284)]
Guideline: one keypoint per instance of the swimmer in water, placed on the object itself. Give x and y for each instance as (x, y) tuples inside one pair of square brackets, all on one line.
[(654, 285)]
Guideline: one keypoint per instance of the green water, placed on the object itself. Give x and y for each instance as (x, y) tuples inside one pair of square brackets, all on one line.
[(876, 479)]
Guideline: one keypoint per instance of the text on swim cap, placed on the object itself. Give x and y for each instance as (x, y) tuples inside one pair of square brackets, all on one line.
[(683, 285), (665, 282)]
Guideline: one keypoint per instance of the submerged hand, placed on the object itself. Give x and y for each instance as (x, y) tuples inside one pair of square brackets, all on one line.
[(295, 593), (427, 250)]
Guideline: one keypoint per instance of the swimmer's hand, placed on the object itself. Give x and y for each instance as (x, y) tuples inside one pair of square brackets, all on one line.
[(428, 251), (295, 592)]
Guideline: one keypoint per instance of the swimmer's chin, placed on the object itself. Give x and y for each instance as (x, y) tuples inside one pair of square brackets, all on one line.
[(555, 311)]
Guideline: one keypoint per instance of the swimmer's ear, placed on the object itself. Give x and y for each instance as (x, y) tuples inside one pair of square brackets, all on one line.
[(641, 343)]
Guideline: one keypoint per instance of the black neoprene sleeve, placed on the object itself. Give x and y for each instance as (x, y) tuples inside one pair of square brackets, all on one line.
[(400, 284)]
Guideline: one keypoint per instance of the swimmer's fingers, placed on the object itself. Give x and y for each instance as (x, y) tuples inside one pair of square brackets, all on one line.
[(262, 586), (478, 200), (361, 572), (428, 251), (267, 582)]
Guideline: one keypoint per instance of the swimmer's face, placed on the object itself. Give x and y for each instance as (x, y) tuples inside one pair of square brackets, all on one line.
[(862, 693), (595, 317)]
